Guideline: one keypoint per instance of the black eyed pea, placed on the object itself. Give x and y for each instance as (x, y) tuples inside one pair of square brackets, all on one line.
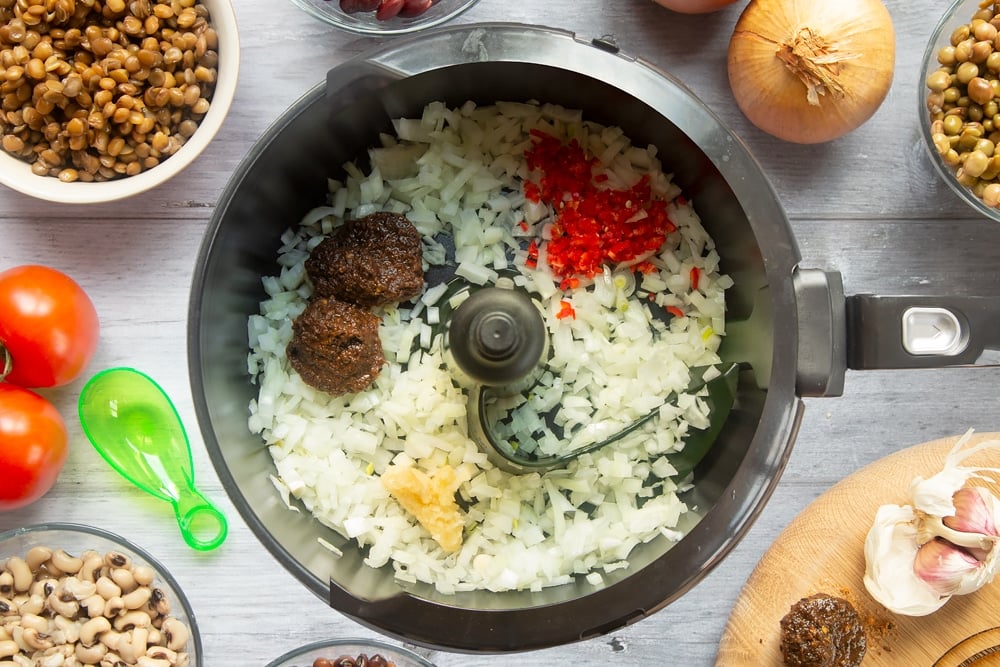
[(124, 578), (146, 661), (67, 630), (90, 655), (143, 575), (6, 583), (37, 641), (34, 622), (78, 589), (113, 607), (116, 559), (8, 648), (91, 631), (66, 607), (111, 660), (159, 603), (65, 562), (37, 556), (133, 644), (34, 604), (135, 618), (162, 653), (92, 565), (20, 574), (176, 633), (94, 606), (137, 598), (108, 589), (111, 639)]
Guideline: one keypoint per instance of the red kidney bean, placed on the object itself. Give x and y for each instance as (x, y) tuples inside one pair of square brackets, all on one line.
[(413, 8), (354, 6), (387, 9)]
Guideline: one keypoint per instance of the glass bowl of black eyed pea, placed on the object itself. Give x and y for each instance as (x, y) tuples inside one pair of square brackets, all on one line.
[(350, 653), (90, 597), (960, 102), (384, 17)]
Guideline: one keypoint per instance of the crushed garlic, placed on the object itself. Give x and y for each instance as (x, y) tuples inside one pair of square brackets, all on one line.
[(943, 543), (431, 499)]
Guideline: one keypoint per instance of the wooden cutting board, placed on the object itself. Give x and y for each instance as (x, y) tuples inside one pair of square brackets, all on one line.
[(822, 551)]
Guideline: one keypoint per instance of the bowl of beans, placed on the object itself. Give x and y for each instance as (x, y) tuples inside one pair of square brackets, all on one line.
[(88, 595), (384, 17), (960, 102), (350, 653), (104, 100)]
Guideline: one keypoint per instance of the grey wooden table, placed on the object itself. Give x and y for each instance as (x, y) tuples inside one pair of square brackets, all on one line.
[(867, 205)]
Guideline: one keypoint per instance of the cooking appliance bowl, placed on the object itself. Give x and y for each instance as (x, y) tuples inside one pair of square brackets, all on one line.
[(960, 13), (75, 539), (17, 174), (285, 174), (366, 23)]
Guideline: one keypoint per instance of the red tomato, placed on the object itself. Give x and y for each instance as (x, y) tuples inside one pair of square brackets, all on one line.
[(48, 325), (32, 446)]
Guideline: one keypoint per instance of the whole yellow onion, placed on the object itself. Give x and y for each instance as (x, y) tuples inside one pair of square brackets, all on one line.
[(810, 71)]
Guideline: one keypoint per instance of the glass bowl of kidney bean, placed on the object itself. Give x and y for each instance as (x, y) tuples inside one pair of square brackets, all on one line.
[(384, 17), (351, 653)]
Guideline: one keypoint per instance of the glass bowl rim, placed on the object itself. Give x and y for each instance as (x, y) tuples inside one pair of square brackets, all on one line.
[(386, 28), (349, 641)]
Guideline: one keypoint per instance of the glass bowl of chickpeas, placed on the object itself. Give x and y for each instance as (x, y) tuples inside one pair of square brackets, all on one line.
[(102, 101), (960, 102), (384, 17), (350, 653)]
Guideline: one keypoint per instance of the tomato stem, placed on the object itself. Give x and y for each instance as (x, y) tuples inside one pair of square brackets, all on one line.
[(8, 363)]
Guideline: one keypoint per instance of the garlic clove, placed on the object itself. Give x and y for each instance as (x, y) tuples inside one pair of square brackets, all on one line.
[(948, 569), (934, 494), (890, 576), (976, 511)]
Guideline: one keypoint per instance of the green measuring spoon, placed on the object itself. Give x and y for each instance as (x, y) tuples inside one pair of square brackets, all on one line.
[(134, 426)]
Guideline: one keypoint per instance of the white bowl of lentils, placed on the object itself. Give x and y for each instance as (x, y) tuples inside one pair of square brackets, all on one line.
[(91, 596), (104, 99)]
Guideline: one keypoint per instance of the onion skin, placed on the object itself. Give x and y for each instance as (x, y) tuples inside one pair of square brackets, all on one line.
[(858, 33), (694, 6)]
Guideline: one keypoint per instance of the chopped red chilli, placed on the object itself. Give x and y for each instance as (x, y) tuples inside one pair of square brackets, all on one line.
[(695, 276), (566, 310), (675, 311), (593, 225)]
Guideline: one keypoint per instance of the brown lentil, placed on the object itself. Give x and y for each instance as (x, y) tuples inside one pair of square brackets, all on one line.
[(92, 91)]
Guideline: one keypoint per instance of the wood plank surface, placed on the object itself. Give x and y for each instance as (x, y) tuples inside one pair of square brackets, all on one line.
[(868, 205)]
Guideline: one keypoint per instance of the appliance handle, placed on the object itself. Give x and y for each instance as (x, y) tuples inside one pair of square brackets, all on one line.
[(922, 331), (872, 331), (822, 332)]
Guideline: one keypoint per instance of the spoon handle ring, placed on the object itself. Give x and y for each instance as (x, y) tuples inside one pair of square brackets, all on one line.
[(202, 524)]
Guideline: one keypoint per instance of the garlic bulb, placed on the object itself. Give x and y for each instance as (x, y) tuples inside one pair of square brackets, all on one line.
[(943, 543)]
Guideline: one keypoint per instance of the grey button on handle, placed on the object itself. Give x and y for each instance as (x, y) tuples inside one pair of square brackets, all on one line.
[(933, 331)]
